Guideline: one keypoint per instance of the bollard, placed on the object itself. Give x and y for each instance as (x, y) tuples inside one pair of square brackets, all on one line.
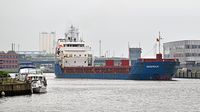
[(3, 93)]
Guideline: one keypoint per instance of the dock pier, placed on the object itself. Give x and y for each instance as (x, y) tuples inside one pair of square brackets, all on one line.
[(15, 88)]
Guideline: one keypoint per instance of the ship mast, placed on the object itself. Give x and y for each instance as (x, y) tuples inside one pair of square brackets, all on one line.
[(99, 48), (72, 35), (159, 41)]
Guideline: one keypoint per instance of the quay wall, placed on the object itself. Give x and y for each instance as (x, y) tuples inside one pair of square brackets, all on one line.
[(15, 89), (187, 74)]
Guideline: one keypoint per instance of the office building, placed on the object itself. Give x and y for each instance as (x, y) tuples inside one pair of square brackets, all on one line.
[(47, 42), (187, 51)]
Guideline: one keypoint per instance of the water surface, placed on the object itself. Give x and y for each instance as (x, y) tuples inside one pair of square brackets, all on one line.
[(86, 95)]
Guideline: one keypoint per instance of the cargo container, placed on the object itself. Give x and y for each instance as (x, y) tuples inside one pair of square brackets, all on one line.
[(109, 62), (124, 62)]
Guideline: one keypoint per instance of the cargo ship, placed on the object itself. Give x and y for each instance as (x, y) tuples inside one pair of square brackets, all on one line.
[(74, 60)]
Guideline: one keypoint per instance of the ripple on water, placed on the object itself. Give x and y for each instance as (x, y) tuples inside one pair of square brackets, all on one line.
[(84, 95)]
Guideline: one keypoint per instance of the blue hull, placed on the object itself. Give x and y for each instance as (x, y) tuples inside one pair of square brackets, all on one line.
[(139, 71), (153, 70)]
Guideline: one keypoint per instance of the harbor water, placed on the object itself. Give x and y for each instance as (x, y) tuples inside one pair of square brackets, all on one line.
[(91, 95)]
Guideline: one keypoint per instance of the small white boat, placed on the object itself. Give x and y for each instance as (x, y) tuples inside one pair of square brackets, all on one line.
[(35, 77), (25, 71), (38, 82)]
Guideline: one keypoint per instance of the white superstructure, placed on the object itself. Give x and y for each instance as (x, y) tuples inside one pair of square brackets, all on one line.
[(72, 51)]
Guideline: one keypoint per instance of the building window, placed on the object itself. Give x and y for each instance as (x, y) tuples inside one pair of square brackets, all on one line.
[(74, 61), (187, 46), (80, 55), (85, 61), (65, 61), (194, 46)]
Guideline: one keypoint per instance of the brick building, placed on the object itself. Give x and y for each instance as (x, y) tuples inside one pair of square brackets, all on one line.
[(9, 61)]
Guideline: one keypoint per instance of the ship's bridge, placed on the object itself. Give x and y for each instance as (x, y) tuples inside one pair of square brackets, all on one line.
[(72, 51), (74, 46)]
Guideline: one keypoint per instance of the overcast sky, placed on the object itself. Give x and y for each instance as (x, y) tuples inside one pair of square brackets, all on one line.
[(114, 22)]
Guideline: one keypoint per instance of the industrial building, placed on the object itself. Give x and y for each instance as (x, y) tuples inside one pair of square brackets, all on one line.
[(47, 42), (187, 51)]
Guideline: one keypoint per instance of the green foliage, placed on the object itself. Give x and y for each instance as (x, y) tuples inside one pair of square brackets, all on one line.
[(3, 74)]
